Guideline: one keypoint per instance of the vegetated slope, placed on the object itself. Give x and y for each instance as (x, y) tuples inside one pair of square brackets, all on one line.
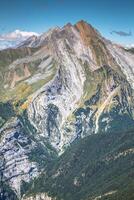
[(96, 167)]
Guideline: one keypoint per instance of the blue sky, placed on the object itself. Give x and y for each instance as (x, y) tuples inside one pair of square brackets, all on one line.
[(40, 15)]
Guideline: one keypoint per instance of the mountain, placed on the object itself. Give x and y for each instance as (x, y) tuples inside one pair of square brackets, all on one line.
[(67, 117), (10, 40)]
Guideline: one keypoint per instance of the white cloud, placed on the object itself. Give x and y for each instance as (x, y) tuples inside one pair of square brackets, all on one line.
[(14, 38), (129, 46)]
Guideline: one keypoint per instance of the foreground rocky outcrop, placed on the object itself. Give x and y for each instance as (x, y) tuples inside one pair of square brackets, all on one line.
[(15, 146)]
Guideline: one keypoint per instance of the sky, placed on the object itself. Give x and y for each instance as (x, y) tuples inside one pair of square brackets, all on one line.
[(113, 18)]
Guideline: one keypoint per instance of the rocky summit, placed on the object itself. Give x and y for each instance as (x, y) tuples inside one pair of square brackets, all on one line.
[(67, 117)]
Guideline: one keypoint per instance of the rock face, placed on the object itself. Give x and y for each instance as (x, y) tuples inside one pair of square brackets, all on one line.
[(15, 146), (70, 82), (73, 99)]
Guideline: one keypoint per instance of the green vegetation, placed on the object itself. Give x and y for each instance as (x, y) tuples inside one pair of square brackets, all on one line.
[(97, 80), (91, 167), (6, 193), (130, 50), (6, 58), (20, 95), (9, 55), (6, 112), (43, 152), (2, 121)]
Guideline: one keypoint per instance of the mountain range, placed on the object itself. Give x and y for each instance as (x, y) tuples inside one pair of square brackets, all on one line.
[(12, 39), (67, 117)]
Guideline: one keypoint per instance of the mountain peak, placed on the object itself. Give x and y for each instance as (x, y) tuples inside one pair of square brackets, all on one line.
[(82, 22), (87, 31), (67, 25)]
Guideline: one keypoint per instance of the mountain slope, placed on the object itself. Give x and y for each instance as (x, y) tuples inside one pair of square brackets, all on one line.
[(91, 168), (55, 89)]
